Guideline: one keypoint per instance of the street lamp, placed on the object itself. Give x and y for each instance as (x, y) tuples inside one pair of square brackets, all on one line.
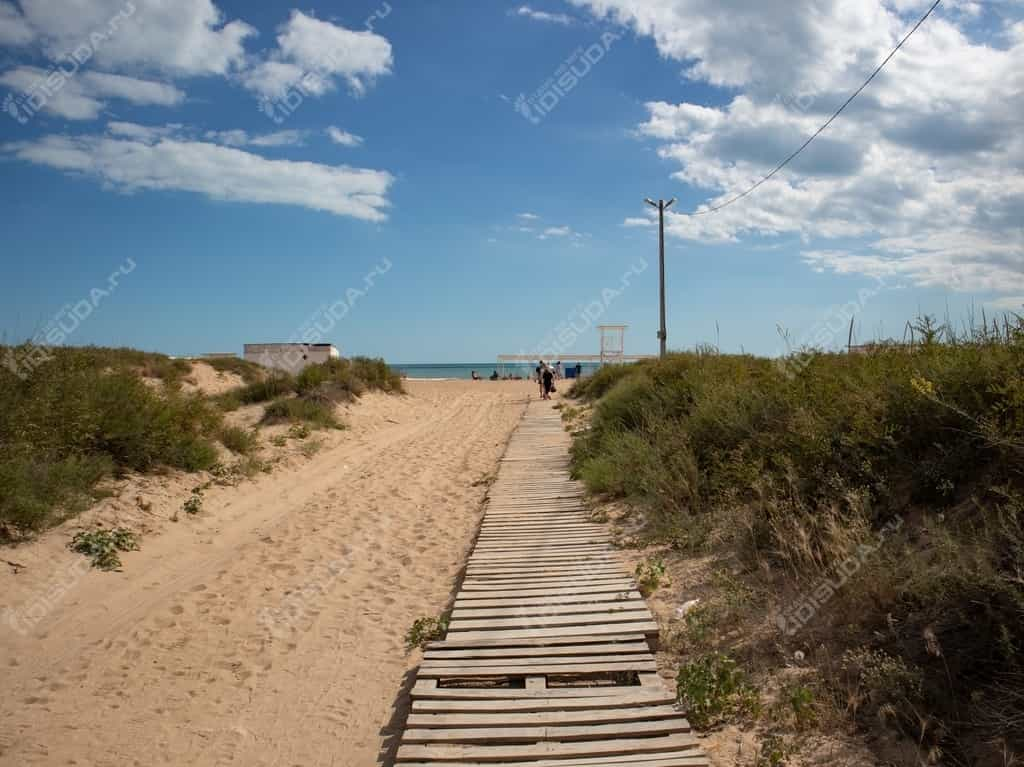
[(662, 206)]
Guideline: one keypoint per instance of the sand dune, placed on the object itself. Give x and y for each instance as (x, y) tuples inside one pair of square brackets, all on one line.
[(268, 630)]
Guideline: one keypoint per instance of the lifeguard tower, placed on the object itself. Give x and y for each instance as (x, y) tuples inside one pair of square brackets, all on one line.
[(613, 343)]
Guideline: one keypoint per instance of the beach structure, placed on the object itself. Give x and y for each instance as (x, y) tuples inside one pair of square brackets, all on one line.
[(291, 358), (613, 351), (546, 660), (613, 343)]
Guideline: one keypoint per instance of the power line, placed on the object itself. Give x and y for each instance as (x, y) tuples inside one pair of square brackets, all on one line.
[(828, 122)]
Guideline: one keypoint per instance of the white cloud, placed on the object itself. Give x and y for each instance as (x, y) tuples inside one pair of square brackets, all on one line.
[(14, 30), (147, 133), (528, 216), (566, 233), (339, 136), (925, 169), (169, 161), (313, 53), (183, 37), (550, 18), (639, 222), (556, 231), (83, 96), (239, 137)]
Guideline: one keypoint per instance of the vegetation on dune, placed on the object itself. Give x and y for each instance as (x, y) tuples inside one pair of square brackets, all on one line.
[(345, 379), (249, 372), (79, 415), (82, 415), (883, 490), (270, 387), (302, 409), (318, 388)]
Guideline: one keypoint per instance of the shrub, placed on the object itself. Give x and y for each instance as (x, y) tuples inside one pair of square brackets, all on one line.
[(345, 379), (102, 546), (82, 414), (713, 689), (794, 466), (239, 440), (250, 372), (595, 386), (274, 385), (315, 412)]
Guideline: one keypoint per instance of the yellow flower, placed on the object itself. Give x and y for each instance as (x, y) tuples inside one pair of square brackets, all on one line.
[(923, 386)]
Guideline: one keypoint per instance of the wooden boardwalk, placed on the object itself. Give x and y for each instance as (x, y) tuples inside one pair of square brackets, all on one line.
[(546, 662)]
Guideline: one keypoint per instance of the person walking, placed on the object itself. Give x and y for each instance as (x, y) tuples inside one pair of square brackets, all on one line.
[(547, 382)]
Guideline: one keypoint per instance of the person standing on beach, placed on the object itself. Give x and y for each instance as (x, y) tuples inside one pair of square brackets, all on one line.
[(540, 379)]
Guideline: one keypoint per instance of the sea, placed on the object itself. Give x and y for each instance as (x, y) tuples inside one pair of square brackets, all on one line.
[(483, 369)]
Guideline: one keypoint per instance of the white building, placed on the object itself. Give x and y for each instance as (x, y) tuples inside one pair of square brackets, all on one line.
[(290, 358)]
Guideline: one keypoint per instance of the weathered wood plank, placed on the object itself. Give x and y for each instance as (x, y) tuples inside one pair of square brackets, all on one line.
[(600, 748)]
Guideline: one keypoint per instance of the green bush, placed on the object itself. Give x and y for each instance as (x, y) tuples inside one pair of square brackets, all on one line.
[(274, 385), (82, 414), (239, 440), (795, 465), (300, 409), (250, 372), (346, 379), (712, 688), (595, 386)]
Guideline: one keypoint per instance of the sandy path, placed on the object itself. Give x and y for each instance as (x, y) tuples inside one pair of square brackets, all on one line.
[(269, 631)]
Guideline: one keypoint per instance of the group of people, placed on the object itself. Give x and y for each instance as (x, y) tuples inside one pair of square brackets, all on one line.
[(494, 377), (546, 375)]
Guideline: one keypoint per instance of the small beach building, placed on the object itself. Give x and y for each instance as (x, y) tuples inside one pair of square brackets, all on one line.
[(290, 358)]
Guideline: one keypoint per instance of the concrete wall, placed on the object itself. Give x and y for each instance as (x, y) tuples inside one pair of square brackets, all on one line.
[(290, 358)]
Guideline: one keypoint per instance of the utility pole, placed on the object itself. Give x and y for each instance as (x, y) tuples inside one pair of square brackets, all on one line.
[(662, 206)]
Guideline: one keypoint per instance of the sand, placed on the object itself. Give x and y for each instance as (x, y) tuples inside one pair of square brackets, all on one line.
[(268, 629)]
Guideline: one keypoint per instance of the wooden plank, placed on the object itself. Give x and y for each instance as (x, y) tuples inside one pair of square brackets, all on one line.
[(527, 734), (491, 592), (662, 759), (589, 668), (644, 661), (545, 610), (644, 627), (567, 696), (536, 652), (429, 705), (601, 748), (540, 599)]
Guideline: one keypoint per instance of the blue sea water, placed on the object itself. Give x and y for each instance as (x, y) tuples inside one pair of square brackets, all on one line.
[(483, 369)]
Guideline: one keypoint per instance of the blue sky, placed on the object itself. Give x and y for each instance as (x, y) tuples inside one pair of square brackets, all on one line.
[(176, 143)]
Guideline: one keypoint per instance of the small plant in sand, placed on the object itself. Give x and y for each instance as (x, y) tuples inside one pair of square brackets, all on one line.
[(713, 689), (311, 447), (797, 702), (298, 431), (774, 752), (279, 440), (649, 575), (101, 546), (425, 630), (194, 504)]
